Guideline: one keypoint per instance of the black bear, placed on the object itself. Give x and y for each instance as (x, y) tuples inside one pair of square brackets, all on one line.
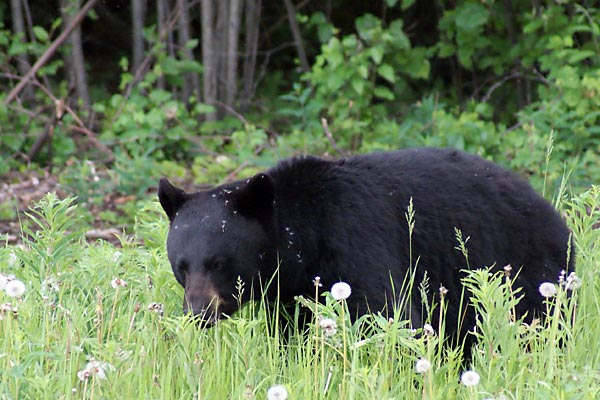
[(346, 220)]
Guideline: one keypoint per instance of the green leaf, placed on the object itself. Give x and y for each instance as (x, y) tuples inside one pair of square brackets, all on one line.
[(399, 40), (386, 71), (41, 34), (190, 66), (358, 85), (579, 55), (159, 96), (471, 16), (376, 53), (407, 3), (335, 82), (367, 25), (446, 49), (17, 47), (191, 44), (363, 71), (383, 93), (56, 24), (418, 64), (169, 66)]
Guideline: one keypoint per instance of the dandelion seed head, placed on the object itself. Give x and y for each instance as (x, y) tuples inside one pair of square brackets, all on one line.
[(50, 285), (277, 392), (4, 279), (573, 282), (423, 365), (157, 308), (328, 326), (360, 343), (428, 330), (6, 309), (15, 288), (118, 282), (317, 281), (470, 378), (341, 291), (547, 289), (443, 291), (94, 368), (83, 374), (116, 256)]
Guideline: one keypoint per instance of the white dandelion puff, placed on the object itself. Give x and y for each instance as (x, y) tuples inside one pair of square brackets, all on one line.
[(443, 291), (116, 282), (15, 288), (359, 344), (116, 256), (470, 378), (83, 374), (157, 308), (277, 392), (341, 291), (329, 326), (423, 365), (573, 282), (547, 289), (94, 368), (317, 281), (50, 285), (428, 330)]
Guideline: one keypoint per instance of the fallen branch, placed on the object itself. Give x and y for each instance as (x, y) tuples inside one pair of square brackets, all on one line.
[(60, 108)]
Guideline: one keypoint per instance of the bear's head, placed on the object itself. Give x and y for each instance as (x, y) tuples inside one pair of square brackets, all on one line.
[(217, 238)]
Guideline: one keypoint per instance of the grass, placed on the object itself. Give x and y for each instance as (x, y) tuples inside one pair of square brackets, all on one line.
[(78, 333)]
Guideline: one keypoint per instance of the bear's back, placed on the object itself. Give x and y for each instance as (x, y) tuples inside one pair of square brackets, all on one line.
[(355, 212)]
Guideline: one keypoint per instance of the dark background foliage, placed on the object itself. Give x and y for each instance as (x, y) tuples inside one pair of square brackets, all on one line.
[(205, 90)]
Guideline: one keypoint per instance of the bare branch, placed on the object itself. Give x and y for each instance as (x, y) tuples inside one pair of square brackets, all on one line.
[(51, 50), (291, 11), (329, 136)]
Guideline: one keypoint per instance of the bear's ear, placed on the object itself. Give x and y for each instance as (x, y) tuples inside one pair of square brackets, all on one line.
[(256, 198), (170, 197)]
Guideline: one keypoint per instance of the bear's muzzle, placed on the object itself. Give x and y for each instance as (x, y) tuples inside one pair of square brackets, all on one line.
[(202, 299)]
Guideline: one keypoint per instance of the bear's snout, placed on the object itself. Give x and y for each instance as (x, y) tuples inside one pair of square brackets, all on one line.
[(202, 299)]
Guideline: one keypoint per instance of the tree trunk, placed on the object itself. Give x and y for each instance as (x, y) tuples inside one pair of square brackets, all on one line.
[(235, 15), (209, 56), (138, 13), (191, 84), (222, 22), (253, 9), (75, 61), (291, 12), (162, 13), (18, 25)]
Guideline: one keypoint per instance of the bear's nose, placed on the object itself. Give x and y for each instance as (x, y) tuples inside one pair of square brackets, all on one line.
[(201, 298)]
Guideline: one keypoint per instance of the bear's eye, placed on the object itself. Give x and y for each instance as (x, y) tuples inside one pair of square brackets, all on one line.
[(183, 267), (214, 265)]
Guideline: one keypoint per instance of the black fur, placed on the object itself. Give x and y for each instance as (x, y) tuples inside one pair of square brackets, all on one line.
[(345, 220)]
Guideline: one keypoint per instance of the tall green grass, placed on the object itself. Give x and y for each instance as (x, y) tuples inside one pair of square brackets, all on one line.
[(78, 333)]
